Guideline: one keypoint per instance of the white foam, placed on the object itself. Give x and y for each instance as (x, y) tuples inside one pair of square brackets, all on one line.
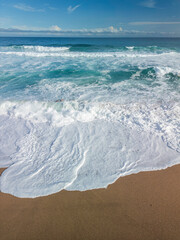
[(80, 146), (90, 54), (162, 71), (31, 48), (46, 49), (9, 135), (130, 48)]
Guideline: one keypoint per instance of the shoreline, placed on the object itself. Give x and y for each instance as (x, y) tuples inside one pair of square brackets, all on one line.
[(145, 205)]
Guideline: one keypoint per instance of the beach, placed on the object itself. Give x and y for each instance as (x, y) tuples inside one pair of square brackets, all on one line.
[(139, 206), (89, 167)]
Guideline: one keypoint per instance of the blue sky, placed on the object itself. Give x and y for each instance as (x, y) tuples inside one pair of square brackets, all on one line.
[(90, 18)]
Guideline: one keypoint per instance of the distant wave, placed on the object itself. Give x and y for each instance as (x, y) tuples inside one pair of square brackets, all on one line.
[(84, 48), (62, 53), (130, 48), (46, 49), (27, 48)]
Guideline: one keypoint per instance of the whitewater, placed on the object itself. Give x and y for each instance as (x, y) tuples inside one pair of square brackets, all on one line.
[(77, 114)]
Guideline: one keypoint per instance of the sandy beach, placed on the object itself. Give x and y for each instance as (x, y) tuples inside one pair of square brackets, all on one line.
[(141, 206)]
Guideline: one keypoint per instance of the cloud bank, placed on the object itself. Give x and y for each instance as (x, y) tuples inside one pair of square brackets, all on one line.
[(56, 31)]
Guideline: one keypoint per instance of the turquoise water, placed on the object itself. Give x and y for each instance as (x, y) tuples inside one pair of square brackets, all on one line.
[(140, 65), (78, 113)]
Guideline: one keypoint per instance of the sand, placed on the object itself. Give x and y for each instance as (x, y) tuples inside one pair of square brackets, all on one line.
[(139, 207), (2, 170)]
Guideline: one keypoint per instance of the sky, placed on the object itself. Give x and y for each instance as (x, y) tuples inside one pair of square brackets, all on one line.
[(91, 18)]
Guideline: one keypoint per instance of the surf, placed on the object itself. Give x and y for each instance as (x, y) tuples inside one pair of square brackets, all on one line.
[(119, 115)]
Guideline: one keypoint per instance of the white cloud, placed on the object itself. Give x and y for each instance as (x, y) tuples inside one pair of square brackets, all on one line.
[(27, 8), (107, 30), (110, 29), (50, 7), (72, 9), (55, 28), (25, 28), (153, 23), (148, 4)]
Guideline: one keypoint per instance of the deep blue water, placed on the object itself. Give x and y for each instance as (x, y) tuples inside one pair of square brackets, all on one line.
[(116, 42)]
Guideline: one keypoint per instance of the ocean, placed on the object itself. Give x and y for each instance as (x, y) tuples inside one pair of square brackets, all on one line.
[(78, 113)]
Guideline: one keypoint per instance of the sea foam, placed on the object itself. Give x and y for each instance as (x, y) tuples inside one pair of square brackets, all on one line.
[(64, 146)]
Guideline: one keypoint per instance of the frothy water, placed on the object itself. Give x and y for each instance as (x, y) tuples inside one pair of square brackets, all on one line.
[(117, 112)]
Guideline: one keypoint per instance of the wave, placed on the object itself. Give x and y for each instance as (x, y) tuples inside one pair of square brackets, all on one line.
[(31, 48), (46, 49), (89, 54), (86, 48), (130, 48), (81, 145)]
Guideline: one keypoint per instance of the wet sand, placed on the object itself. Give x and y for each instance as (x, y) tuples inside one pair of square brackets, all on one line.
[(144, 206), (2, 170)]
